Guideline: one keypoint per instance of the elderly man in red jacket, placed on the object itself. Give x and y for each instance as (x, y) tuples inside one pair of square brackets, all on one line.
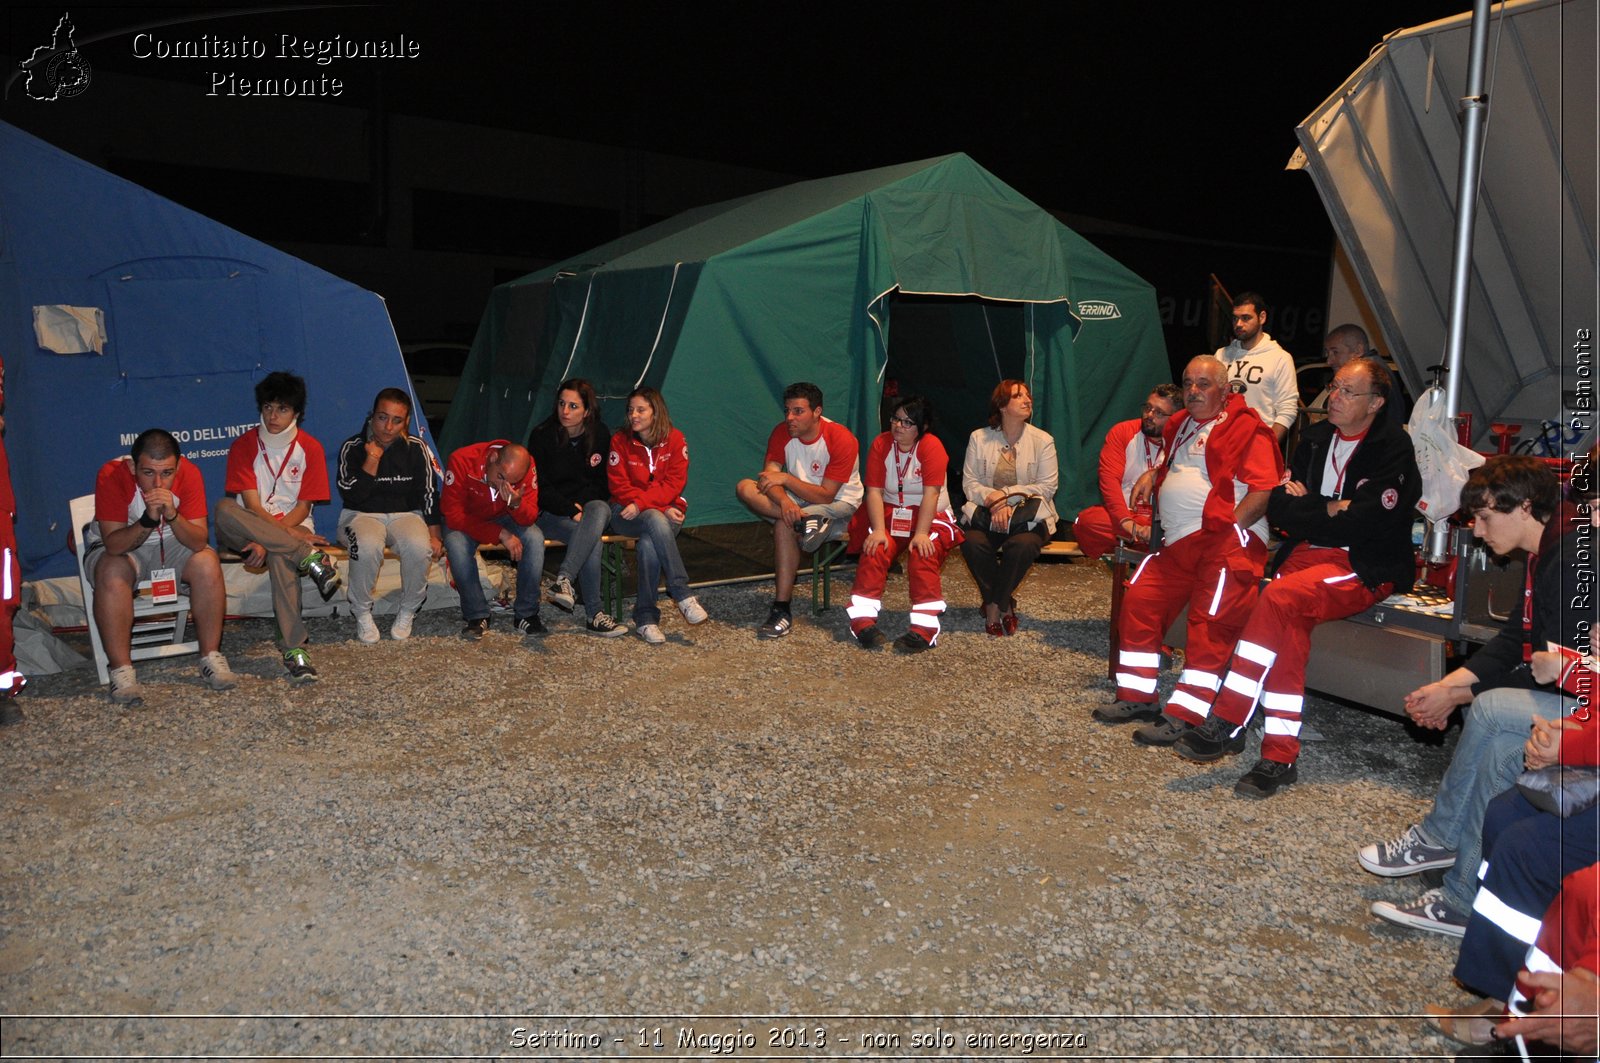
[(1211, 500), (491, 495)]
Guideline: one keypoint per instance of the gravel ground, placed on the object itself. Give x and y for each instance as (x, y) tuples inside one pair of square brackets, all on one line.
[(717, 839)]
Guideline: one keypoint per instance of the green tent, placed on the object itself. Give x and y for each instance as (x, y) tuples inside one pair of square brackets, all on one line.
[(931, 277)]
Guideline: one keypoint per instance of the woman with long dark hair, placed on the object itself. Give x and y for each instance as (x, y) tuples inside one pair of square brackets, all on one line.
[(569, 451)]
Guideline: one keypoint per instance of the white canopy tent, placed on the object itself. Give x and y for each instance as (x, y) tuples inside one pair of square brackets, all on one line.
[(1384, 151)]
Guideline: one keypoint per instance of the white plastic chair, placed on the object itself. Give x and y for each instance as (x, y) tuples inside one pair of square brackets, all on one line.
[(158, 630)]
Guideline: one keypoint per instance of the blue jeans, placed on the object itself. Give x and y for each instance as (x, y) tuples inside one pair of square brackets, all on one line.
[(1486, 763), (583, 548), (462, 550), (658, 553)]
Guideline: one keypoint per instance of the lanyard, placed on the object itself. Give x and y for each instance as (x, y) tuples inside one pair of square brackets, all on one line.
[(900, 471), (1333, 459), (650, 459), (1181, 440), (267, 460), (1150, 456), (1527, 610)]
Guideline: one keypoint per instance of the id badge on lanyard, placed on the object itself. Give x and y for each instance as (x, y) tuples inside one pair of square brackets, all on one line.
[(900, 522), (163, 581)]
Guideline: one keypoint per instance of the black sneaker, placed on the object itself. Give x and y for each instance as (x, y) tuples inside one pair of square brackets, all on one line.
[(911, 642), (320, 567), (1265, 779), (1163, 732), (475, 629), (1127, 712), (1212, 740), (813, 532), (601, 624), (529, 625), (298, 663), (778, 624), (869, 637)]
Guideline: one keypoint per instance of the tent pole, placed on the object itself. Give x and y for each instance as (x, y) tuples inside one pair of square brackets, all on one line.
[(1475, 107)]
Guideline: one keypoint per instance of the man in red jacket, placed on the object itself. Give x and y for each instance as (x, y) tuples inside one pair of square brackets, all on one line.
[(491, 495), (1211, 500), (1132, 448)]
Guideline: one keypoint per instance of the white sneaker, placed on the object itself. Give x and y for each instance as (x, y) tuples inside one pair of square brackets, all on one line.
[(693, 611), (125, 688), (401, 629), (651, 633), (215, 671), (366, 628)]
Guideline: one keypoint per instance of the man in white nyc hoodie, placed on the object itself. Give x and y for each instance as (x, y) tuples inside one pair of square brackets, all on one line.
[(1265, 370)]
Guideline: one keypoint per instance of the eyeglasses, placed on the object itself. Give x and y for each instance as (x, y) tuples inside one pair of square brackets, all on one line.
[(903, 422), (1148, 408), (1343, 389)]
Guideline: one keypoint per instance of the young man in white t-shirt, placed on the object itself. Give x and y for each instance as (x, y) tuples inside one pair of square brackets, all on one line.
[(809, 488), (276, 473)]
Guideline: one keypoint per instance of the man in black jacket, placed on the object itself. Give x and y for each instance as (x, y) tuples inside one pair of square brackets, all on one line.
[(1347, 511), (389, 482)]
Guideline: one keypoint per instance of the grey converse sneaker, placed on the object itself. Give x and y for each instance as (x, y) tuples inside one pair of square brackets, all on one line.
[(215, 671), (651, 633), (561, 594), (125, 688), (1428, 912), (1405, 855)]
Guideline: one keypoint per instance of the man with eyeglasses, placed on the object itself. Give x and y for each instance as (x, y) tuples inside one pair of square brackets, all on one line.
[(808, 489), (1131, 449), (1347, 510)]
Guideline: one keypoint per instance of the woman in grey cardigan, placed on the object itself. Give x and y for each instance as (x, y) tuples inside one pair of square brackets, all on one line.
[(1009, 478)]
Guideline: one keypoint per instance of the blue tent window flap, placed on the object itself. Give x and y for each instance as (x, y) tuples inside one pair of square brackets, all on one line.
[(221, 326), (62, 329)]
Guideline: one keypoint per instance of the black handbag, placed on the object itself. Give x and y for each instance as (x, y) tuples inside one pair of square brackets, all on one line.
[(1024, 516)]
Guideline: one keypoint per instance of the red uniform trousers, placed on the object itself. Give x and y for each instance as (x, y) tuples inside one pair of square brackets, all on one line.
[(1315, 584), (1216, 574), (10, 599), (1095, 533), (927, 594)]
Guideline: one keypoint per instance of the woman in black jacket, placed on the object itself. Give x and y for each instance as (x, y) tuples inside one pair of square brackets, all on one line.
[(569, 453)]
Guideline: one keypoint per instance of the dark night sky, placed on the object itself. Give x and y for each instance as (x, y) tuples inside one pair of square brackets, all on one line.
[(1173, 119)]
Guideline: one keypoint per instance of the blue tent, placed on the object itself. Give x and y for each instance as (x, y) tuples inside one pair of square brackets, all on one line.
[(159, 317)]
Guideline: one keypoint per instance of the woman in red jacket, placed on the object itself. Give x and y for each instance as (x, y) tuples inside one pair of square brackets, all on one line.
[(648, 468)]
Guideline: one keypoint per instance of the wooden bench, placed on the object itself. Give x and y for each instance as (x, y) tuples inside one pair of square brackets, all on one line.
[(611, 563)]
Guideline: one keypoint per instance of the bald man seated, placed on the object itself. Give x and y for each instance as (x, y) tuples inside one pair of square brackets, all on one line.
[(491, 495)]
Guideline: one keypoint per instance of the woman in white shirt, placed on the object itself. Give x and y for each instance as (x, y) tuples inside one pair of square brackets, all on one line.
[(1009, 477)]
